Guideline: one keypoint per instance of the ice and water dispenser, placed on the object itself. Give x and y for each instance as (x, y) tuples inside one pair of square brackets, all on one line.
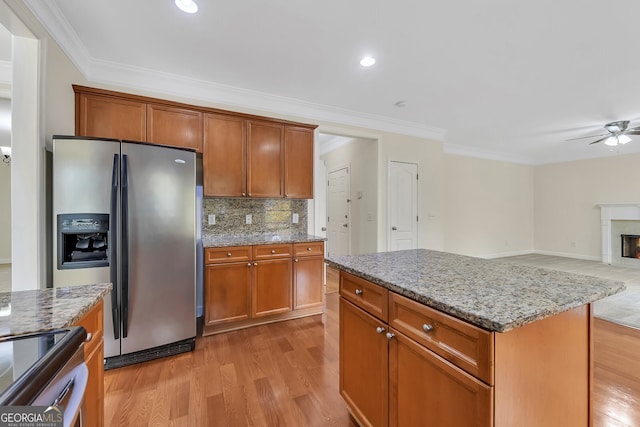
[(83, 240)]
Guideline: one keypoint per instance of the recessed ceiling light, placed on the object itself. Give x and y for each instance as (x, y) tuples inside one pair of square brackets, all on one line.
[(367, 61), (188, 6)]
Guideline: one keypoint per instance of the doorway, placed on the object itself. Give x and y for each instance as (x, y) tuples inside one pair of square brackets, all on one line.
[(403, 205), (338, 189)]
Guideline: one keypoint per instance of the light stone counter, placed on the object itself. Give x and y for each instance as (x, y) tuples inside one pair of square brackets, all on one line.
[(23, 312), (491, 294), (216, 241)]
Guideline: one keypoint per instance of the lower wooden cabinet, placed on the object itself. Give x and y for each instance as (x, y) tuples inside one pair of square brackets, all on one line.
[(94, 358), (251, 285)]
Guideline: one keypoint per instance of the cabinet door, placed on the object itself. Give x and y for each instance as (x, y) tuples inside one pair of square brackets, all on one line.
[(298, 162), (93, 399), (426, 390), (271, 287), (265, 159), (224, 158), (227, 292), (364, 365), (110, 117), (308, 281), (178, 127)]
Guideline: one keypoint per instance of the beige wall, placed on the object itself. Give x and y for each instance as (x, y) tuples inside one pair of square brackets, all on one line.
[(362, 156), (489, 207), (567, 220), (5, 213)]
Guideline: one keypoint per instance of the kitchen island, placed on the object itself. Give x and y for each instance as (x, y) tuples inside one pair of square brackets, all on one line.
[(431, 338), (28, 312)]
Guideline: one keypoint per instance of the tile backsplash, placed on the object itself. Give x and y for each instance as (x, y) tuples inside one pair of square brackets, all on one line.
[(269, 216)]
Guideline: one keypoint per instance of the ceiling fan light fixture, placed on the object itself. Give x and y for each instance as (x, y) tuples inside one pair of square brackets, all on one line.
[(367, 61), (623, 139), (188, 6), (611, 141)]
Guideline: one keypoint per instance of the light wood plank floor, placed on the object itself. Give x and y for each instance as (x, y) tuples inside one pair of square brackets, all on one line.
[(286, 374)]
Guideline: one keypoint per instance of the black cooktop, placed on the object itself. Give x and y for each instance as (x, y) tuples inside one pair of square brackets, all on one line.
[(29, 362)]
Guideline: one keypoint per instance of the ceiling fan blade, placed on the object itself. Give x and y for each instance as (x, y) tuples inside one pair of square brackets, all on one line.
[(590, 136), (600, 140), (635, 131)]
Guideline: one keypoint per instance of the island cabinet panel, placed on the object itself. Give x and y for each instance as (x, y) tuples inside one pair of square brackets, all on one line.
[(425, 389), (224, 158), (364, 365), (264, 159), (468, 346), (110, 117), (252, 285), (272, 287), (227, 292), (179, 127), (94, 358), (543, 372), (298, 162)]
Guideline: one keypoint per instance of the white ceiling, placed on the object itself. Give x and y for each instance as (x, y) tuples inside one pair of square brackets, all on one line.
[(497, 78)]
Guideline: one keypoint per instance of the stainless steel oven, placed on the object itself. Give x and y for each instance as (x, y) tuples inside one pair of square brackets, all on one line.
[(45, 369)]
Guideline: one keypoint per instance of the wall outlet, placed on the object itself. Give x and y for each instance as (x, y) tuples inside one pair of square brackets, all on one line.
[(295, 218), (212, 219), (248, 219)]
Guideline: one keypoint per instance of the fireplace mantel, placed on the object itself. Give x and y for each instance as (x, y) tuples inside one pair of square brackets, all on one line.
[(615, 212)]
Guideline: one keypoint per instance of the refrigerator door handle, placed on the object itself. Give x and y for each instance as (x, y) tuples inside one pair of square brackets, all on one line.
[(113, 246), (125, 246)]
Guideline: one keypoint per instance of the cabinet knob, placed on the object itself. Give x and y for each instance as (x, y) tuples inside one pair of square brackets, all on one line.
[(273, 251), (379, 329), (255, 264), (359, 291), (286, 195), (427, 328), (228, 253), (390, 335), (295, 260), (249, 194), (248, 264), (244, 194), (89, 336), (308, 249)]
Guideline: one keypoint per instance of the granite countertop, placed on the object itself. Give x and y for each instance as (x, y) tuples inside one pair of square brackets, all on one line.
[(216, 241), (24, 312), (491, 294)]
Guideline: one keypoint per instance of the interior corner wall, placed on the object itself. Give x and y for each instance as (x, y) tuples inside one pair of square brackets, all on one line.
[(489, 207), (429, 157), (566, 215), (5, 213), (360, 154)]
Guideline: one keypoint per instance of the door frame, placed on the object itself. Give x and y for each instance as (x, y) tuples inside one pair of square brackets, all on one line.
[(389, 161), (329, 171)]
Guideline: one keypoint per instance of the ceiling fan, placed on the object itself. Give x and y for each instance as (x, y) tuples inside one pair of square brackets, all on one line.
[(618, 132)]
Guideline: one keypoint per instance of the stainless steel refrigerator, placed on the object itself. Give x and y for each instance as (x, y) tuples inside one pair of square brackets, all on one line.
[(125, 213)]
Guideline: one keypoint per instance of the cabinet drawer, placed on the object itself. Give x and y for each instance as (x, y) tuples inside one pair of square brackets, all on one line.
[(308, 249), (366, 295), (466, 346), (92, 323), (272, 251), (227, 254)]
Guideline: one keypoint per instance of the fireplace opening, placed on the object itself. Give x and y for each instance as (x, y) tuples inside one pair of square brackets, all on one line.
[(630, 245)]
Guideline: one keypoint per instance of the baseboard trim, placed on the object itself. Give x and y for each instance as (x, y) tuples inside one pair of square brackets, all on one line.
[(506, 254), (5, 261), (569, 255)]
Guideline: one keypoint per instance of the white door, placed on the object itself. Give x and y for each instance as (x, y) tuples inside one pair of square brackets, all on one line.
[(403, 206), (338, 212), (320, 201)]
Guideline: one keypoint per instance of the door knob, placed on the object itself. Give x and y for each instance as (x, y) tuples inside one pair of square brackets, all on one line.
[(394, 228), (345, 225), (323, 229)]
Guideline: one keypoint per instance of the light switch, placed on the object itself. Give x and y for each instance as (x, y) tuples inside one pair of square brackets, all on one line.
[(295, 218), (212, 219), (248, 219)]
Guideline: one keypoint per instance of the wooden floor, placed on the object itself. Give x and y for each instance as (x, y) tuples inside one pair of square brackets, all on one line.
[(286, 374)]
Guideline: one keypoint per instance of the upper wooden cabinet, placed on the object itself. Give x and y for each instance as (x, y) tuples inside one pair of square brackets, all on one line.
[(175, 126), (110, 117), (243, 155), (298, 162)]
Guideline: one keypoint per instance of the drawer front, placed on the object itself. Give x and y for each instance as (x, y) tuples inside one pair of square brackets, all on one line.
[(92, 323), (366, 295), (308, 249), (466, 346), (272, 251), (227, 254)]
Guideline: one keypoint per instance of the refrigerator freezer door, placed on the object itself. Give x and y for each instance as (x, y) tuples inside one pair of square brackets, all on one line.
[(159, 304)]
